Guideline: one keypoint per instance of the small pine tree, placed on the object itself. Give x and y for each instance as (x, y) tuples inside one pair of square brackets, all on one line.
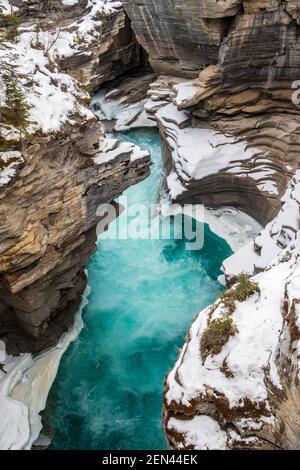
[(16, 110), (11, 23)]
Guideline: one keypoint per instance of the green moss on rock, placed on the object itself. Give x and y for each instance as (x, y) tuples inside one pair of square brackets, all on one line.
[(216, 336), (241, 291)]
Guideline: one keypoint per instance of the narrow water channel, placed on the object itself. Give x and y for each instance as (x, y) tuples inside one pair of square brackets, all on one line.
[(144, 295)]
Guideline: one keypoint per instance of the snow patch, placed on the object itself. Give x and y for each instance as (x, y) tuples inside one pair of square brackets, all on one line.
[(6, 8), (276, 236), (201, 432), (110, 149), (24, 388), (201, 152), (185, 92), (11, 160), (126, 116), (55, 98)]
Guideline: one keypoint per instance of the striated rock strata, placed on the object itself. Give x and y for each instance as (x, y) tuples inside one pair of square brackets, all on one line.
[(243, 91), (230, 135), (181, 37), (92, 40), (48, 225), (56, 168), (225, 105)]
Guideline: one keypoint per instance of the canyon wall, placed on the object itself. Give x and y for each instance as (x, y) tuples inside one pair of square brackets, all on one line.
[(56, 167), (235, 384), (48, 229), (253, 41), (243, 90), (230, 132), (181, 37)]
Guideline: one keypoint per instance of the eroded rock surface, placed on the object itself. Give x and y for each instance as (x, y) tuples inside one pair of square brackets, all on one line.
[(181, 37), (93, 40), (243, 91), (56, 168), (231, 137), (230, 134)]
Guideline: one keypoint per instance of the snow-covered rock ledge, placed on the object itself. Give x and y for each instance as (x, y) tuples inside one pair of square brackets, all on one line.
[(236, 381), (10, 163), (272, 240), (245, 394), (126, 107), (241, 161)]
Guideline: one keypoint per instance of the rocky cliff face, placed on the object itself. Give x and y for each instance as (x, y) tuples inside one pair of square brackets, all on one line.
[(231, 137), (246, 95), (55, 167), (235, 384), (181, 37), (229, 159), (101, 49), (48, 219), (254, 41)]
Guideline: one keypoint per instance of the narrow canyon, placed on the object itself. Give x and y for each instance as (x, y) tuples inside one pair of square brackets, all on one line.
[(219, 81)]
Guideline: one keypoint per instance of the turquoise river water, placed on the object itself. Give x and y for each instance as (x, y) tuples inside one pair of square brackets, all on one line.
[(144, 295)]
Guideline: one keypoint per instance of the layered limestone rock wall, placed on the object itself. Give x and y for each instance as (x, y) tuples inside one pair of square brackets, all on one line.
[(48, 219), (246, 95), (226, 159), (231, 137), (254, 41), (56, 168), (181, 37)]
